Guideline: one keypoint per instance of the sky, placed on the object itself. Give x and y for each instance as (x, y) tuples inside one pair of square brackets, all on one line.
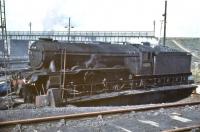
[(183, 17)]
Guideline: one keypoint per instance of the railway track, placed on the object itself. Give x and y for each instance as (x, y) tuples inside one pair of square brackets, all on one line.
[(102, 113), (184, 129)]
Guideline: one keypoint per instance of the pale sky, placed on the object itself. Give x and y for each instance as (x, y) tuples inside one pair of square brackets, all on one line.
[(105, 15)]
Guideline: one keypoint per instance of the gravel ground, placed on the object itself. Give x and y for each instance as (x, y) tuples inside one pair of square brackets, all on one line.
[(149, 121), (30, 111), (161, 119)]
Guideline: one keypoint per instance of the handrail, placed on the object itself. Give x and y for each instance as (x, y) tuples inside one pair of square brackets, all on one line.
[(82, 33), (78, 35)]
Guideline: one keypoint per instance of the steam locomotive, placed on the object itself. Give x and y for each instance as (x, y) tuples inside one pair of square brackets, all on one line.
[(86, 69)]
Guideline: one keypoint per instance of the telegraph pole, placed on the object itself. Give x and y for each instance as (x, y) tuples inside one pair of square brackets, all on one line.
[(154, 27), (69, 26), (30, 26), (165, 21), (30, 33)]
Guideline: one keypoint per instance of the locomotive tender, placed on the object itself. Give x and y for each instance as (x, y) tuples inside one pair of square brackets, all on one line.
[(80, 69)]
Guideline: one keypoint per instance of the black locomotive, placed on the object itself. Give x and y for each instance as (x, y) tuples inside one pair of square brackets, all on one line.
[(85, 69)]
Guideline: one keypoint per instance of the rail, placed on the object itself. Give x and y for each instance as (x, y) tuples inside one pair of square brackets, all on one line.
[(92, 114), (184, 129)]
